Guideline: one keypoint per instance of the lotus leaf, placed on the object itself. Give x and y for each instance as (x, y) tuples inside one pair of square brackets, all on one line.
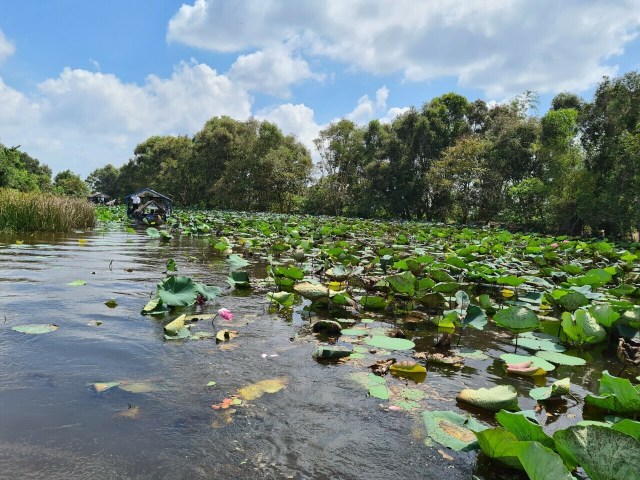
[(523, 428), (542, 463), (501, 445), (452, 429), (238, 279), (556, 389), (475, 318), (446, 287), (153, 232), (512, 358), (560, 358), (595, 278), (470, 353), (617, 395), (35, 328), (139, 387), (338, 273), (103, 386), (312, 291), (572, 301), (179, 335), (410, 367), (177, 291), (77, 283), (236, 261), (630, 427), (377, 387), (604, 314), (582, 328), (224, 335), (329, 326), (258, 389), (285, 299), (492, 399), (356, 332), (174, 326), (517, 319), (403, 283), (389, 343), (604, 453), (539, 341)]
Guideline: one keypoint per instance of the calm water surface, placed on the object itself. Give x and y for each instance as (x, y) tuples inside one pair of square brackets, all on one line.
[(54, 425)]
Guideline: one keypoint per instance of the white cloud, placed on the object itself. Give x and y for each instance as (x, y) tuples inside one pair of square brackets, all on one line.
[(502, 46), (6, 47), (82, 120), (271, 71), (298, 120), (366, 109)]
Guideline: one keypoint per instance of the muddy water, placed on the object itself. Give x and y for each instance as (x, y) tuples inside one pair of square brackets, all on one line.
[(54, 425)]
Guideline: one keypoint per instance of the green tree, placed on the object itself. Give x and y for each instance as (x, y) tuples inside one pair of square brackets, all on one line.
[(70, 184), (104, 180)]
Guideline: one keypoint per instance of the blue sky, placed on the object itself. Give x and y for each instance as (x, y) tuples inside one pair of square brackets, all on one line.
[(83, 82)]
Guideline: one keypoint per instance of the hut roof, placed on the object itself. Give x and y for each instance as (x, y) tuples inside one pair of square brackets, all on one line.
[(147, 192), (98, 195)]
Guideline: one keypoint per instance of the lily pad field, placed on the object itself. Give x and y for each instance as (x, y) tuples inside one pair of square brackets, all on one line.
[(238, 345)]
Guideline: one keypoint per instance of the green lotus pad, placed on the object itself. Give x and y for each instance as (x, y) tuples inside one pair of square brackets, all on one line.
[(356, 332), (603, 453), (35, 328), (389, 343), (539, 341), (512, 358), (492, 399), (617, 395), (560, 358), (556, 389), (452, 429)]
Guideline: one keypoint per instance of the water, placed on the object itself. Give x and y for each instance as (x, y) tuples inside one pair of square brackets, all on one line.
[(54, 425)]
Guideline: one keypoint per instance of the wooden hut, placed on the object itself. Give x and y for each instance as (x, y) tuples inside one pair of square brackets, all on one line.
[(98, 198), (149, 205)]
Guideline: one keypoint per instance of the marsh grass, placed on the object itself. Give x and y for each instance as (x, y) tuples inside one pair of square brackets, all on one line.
[(43, 212)]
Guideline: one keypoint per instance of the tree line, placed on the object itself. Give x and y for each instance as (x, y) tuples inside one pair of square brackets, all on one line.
[(574, 170)]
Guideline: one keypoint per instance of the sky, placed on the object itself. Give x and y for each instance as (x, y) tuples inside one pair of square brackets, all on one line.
[(83, 82)]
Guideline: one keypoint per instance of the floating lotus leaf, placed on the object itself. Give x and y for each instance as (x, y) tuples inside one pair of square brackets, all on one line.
[(331, 351), (492, 399), (202, 335), (312, 291), (403, 283), (111, 303), (224, 335), (539, 341), (512, 358), (475, 317), (181, 334), (407, 367), (258, 389), (77, 283), (389, 343), (560, 358), (337, 273), (139, 387), (603, 453), (104, 386), (356, 332), (452, 429), (35, 328), (556, 389), (377, 387)]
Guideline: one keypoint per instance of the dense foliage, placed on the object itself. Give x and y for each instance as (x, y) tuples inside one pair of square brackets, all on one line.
[(575, 170)]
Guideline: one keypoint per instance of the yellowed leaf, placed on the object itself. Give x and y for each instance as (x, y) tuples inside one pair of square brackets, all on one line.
[(132, 412), (444, 455), (256, 390)]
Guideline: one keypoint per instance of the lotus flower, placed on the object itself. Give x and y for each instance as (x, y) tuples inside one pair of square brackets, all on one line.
[(226, 314)]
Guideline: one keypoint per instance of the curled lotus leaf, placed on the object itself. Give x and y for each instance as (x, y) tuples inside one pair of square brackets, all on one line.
[(312, 291), (452, 429), (501, 397)]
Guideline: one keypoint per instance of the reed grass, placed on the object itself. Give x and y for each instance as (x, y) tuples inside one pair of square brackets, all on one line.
[(43, 212)]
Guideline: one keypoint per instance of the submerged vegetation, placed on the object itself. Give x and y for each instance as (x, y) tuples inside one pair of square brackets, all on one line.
[(38, 212)]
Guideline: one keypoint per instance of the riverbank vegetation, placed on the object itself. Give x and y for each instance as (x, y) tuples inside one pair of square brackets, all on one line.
[(43, 212), (574, 170)]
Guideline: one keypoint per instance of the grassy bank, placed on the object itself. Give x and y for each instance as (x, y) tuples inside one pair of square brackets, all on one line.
[(43, 212)]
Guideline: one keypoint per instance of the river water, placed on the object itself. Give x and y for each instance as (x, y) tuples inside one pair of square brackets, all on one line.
[(55, 425)]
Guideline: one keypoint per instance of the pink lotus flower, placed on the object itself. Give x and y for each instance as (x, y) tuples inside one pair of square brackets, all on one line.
[(565, 241), (554, 245), (226, 314)]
